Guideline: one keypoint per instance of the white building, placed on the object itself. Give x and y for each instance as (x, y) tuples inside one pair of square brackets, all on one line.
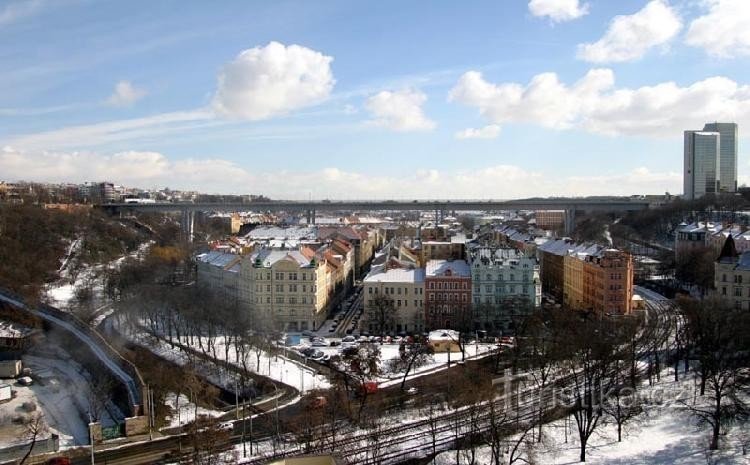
[(505, 282)]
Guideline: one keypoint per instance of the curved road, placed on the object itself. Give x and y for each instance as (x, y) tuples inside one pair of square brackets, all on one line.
[(133, 392)]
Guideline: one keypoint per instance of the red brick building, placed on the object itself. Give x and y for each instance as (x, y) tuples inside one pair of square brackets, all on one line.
[(447, 294)]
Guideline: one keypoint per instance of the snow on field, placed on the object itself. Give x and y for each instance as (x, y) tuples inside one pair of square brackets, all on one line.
[(665, 434), (277, 367)]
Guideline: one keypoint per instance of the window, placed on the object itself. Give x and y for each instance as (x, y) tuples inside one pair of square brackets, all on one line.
[(738, 292), (369, 290), (279, 275)]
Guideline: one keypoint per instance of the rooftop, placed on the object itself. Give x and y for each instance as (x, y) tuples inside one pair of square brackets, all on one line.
[(397, 275), (457, 268)]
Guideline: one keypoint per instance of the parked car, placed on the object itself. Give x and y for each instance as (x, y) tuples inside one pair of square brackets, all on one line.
[(317, 355), (58, 461), (307, 333), (319, 342)]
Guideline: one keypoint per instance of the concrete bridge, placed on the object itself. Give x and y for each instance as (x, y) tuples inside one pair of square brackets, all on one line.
[(569, 205)]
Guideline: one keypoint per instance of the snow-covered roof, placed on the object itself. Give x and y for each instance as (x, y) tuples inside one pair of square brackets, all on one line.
[(397, 275), (439, 267), (276, 232), (269, 257), (443, 335)]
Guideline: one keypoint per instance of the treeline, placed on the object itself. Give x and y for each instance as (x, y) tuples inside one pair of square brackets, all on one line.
[(658, 224)]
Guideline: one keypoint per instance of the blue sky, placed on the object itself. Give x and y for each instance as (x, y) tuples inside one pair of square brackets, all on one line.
[(387, 99)]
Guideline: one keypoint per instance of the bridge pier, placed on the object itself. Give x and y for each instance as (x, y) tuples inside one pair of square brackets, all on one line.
[(187, 225), (570, 221), (310, 216)]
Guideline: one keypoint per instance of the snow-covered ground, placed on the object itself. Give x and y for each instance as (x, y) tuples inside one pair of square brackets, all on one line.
[(390, 352), (61, 393), (277, 367), (61, 293), (664, 434), (185, 411)]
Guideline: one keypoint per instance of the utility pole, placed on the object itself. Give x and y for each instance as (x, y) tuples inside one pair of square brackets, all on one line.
[(91, 438)]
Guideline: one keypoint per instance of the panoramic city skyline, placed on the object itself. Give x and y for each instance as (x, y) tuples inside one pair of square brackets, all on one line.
[(489, 100)]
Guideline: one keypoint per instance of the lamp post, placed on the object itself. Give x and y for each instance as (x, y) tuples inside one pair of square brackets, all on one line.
[(91, 438)]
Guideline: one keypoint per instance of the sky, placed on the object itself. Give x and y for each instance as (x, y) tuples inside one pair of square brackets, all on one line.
[(380, 100)]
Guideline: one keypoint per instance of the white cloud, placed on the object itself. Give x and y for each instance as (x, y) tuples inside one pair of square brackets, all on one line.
[(629, 37), (558, 10), (150, 169), (400, 110), (490, 131), (90, 135), (596, 105), (125, 94), (724, 31), (263, 82)]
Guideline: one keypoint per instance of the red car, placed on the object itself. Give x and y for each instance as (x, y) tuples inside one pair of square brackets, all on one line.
[(58, 461)]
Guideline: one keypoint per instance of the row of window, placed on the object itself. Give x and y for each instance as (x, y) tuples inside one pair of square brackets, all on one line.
[(398, 303), (737, 291), (448, 285), (448, 297), (289, 300), (511, 289), (737, 278), (395, 290), (281, 275), (289, 288), (501, 277)]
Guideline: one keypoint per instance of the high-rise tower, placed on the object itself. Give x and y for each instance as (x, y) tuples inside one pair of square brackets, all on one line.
[(728, 154), (702, 163)]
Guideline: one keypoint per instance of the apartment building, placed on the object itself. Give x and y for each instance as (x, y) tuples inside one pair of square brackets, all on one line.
[(732, 275), (286, 289), (405, 289), (447, 294), (587, 277), (505, 284)]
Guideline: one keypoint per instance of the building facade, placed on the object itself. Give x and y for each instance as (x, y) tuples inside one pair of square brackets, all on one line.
[(505, 284), (732, 276), (728, 141), (447, 294), (404, 288), (702, 163)]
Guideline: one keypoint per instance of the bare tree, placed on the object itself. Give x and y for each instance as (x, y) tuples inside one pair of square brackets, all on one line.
[(207, 440), (622, 406), (362, 364), (593, 355), (720, 344), (99, 394), (383, 312), (412, 356), (34, 428)]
